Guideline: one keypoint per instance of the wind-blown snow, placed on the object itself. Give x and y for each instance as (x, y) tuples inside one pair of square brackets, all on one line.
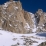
[(10, 24), (34, 30), (27, 27), (5, 5), (33, 19), (9, 38), (15, 7)]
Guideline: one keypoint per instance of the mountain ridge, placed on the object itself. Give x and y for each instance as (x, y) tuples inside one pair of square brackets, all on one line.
[(15, 19)]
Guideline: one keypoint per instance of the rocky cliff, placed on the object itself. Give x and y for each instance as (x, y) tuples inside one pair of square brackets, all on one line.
[(41, 20), (15, 19)]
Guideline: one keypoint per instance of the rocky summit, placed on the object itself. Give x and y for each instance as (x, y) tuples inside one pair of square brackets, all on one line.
[(15, 19)]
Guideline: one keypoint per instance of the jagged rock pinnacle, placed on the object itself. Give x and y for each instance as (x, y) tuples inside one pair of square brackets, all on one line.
[(12, 0), (18, 0)]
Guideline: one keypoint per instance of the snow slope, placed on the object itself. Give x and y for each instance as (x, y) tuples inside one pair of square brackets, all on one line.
[(10, 39)]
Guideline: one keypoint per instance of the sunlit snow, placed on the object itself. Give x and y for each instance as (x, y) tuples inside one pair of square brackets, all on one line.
[(9, 38)]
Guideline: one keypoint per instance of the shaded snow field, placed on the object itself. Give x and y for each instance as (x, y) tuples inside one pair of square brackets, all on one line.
[(10, 39)]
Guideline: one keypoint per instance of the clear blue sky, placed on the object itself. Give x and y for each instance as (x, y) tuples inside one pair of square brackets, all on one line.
[(31, 5)]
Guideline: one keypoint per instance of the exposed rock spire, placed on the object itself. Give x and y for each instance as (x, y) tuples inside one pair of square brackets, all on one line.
[(11, 0), (18, 0)]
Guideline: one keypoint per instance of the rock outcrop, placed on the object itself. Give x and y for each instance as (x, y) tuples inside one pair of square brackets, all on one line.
[(14, 18), (42, 44), (41, 20)]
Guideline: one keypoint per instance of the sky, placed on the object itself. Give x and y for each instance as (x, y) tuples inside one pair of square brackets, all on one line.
[(31, 5)]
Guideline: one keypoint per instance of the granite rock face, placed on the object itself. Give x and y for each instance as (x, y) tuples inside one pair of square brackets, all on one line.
[(41, 20), (15, 19)]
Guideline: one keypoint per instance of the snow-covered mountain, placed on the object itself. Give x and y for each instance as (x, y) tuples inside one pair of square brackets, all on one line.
[(19, 27), (15, 19)]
